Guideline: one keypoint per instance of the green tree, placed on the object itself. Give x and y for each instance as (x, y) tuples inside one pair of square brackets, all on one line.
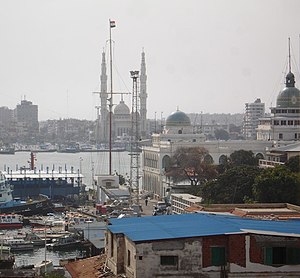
[(221, 134), (242, 157), (294, 164), (190, 164), (232, 186), (277, 184)]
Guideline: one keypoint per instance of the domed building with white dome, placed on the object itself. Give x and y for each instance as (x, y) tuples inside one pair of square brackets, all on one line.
[(121, 117)]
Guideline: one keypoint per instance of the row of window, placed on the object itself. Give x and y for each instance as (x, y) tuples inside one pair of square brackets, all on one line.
[(296, 136), (287, 122), (285, 111)]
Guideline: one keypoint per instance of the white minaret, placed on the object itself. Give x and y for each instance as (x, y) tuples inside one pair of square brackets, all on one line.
[(143, 98), (103, 99)]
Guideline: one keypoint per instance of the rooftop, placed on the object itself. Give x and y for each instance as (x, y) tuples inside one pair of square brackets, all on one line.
[(196, 225)]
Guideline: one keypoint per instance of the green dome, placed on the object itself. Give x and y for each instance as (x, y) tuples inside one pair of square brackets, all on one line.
[(178, 118), (290, 95)]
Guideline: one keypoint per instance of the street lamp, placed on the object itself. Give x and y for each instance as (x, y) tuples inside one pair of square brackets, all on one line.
[(80, 165)]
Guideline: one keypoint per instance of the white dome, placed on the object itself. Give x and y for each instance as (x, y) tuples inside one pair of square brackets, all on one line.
[(122, 109)]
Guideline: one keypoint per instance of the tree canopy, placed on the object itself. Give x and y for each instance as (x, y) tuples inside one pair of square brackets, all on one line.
[(190, 164), (277, 184), (294, 164), (232, 186), (242, 157)]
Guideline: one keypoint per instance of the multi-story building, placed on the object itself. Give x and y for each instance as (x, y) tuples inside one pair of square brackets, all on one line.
[(253, 112), (26, 115)]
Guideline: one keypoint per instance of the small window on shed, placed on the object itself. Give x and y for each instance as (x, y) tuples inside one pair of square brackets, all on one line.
[(218, 256), (168, 260)]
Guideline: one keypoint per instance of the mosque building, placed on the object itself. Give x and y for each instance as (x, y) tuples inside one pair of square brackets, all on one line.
[(278, 130), (178, 132), (122, 116), (284, 122)]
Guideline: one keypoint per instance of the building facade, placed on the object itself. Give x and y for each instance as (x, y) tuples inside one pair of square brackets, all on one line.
[(178, 132), (253, 112), (202, 245)]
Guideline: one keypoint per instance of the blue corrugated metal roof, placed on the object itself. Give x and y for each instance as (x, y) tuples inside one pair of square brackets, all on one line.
[(195, 225)]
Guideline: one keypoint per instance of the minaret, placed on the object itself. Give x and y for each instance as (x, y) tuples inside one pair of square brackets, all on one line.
[(103, 99), (143, 98)]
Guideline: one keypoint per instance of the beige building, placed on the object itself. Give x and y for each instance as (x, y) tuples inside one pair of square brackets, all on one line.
[(178, 132)]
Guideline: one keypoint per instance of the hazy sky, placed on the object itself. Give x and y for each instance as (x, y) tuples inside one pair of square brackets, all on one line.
[(210, 56)]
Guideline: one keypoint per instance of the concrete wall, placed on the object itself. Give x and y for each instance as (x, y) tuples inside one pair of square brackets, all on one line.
[(147, 258), (244, 254)]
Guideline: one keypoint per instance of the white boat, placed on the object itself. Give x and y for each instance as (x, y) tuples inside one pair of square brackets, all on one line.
[(19, 244), (63, 243), (11, 221)]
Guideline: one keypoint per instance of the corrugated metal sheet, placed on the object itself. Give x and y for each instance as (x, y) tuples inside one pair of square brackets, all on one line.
[(196, 225)]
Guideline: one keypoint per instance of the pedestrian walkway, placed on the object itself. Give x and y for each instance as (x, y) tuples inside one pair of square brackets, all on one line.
[(148, 209)]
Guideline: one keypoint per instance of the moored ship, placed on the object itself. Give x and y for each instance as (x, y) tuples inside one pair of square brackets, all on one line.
[(55, 184), (11, 221), (41, 205)]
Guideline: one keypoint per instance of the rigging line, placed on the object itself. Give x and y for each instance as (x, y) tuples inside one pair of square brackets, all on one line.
[(294, 62), (278, 83)]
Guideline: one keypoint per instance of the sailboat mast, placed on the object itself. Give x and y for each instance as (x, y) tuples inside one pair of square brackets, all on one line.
[(111, 25)]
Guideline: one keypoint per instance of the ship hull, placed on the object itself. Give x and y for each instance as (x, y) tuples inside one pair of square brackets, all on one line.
[(41, 207)]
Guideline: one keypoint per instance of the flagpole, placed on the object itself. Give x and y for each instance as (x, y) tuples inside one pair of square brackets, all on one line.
[(110, 101)]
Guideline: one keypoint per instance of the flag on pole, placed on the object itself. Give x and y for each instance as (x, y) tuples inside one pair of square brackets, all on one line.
[(112, 24)]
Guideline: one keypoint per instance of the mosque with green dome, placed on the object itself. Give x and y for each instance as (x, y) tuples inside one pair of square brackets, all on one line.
[(284, 122)]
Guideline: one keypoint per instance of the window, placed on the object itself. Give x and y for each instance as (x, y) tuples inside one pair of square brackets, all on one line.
[(282, 255), (112, 245), (218, 256), (169, 260), (280, 136), (128, 257)]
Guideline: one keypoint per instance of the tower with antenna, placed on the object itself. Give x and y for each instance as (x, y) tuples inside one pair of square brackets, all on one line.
[(135, 137)]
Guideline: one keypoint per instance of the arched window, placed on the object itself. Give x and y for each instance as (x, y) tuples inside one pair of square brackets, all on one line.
[(208, 159), (166, 161), (222, 159)]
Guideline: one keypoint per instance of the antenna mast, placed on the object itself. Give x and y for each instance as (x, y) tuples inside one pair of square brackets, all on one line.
[(135, 136), (111, 25), (290, 55)]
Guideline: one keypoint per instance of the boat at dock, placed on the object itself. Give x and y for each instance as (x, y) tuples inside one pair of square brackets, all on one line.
[(11, 221), (65, 242), (18, 244), (55, 184), (9, 205), (7, 150)]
